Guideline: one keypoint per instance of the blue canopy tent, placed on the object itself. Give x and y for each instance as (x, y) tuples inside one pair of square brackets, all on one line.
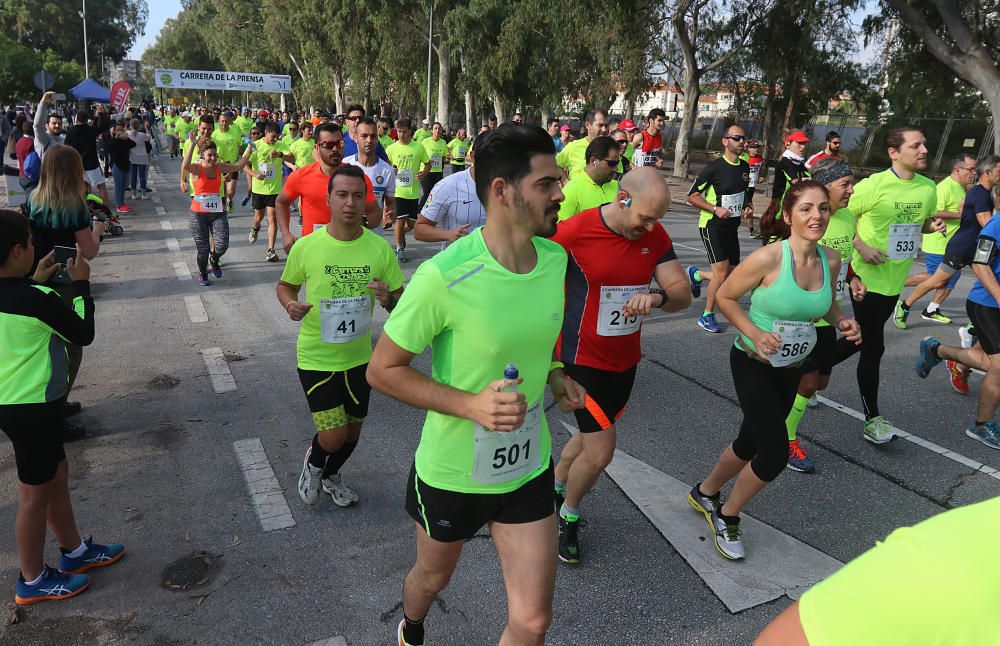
[(91, 90)]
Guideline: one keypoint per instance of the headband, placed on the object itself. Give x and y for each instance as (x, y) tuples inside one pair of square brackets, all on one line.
[(833, 173)]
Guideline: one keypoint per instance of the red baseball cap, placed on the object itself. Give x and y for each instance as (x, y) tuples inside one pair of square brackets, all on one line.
[(264, 113), (628, 125), (798, 136), (565, 128)]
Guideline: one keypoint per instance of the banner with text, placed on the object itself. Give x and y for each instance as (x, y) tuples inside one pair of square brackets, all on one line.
[(235, 81), (119, 95)]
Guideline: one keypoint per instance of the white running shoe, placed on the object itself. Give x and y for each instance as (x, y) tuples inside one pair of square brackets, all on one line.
[(727, 538), (343, 496), (813, 401), (309, 481), (967, 339)]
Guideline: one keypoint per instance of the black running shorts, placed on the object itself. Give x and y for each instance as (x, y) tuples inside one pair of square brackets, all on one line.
[(407, 208), (722, 241), (449, 516), (986, 321), (35, 431), (261, 202), (336, 398), (607, 394)]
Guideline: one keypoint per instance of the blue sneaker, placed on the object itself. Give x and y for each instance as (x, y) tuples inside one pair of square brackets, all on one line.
[(988, 434), (96, 555), (798, 460), (695, 284), (928, 356), (204, 281), (53, 586), (708, 323)]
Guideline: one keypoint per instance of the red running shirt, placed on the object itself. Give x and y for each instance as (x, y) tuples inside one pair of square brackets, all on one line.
[(604, 271)]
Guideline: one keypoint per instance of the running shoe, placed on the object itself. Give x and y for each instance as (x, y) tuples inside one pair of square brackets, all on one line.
[(253, 235), (121, 209), (53, 586), (96, 555), (133, 196), (560, 499), (695, 284), (959, 378), (343, 496), (569, 546), (813, 401), (899, 315), (727, 537), (935, 316), (877, 430), (968, 336), (708, 323), (988, 434), (271, 256), (216, 268), (705, 505), (246, 200), (204, 281), (798, 460), (928, 357), (401, 255), (399, 635), (309, 480)]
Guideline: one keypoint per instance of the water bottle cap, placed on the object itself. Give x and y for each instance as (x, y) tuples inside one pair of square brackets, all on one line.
[(510, 371)]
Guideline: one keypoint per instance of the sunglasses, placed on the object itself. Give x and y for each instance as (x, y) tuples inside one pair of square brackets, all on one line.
[(611, 162), (255, 133), (353, 118), (330, 145), (736, 138)]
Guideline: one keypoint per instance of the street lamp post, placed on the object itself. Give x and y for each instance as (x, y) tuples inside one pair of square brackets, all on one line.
[(430, 42), (86, 59)]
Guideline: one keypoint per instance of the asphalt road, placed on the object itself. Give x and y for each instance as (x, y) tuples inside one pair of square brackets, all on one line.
[(160, 474)]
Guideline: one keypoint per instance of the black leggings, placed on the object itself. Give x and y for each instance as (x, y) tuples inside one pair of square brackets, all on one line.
[(871, 314), (766, 396), (204, 227), (426, 184)]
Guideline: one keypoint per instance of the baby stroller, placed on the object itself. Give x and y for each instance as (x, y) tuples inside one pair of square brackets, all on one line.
[(101, 213)]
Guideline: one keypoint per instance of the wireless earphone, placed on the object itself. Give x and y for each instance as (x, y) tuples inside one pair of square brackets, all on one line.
[(627, 202)]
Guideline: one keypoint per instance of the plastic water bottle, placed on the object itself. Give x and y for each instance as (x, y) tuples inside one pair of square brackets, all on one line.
[(509, 378)]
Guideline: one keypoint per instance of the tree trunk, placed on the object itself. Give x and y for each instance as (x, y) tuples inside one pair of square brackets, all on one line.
[(444, 83), (338, 91), (789, 121), (692, 92), (765, 135), (630, 109), (468, 114), (498, 108), (545, 117)]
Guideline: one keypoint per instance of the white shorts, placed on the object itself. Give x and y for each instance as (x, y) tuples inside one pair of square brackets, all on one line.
[(94, 177)]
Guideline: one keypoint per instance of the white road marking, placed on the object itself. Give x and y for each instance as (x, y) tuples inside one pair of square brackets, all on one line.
[(165, 225), (266, 493), (218, 370), (919, 441), (157, 200), (161, 211), (173, 244), (777, 564), (182, 271), (684, 246), (196, 309), (336, 640)]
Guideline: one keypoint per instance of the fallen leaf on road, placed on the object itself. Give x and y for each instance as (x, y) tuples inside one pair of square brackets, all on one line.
[(236, 541), (16, 616)]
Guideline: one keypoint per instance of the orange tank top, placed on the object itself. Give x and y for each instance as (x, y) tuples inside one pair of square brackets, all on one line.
[(207, 195)]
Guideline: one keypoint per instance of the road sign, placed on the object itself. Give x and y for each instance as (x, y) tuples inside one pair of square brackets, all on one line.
[(43, 80)]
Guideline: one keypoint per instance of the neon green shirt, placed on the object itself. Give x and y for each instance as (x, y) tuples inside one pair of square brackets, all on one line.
[(940, 583), (303, 151), (407, 160), (460, 303), (839, 236), (630, 153), (582, 193), (244, 124), (334, 269), (420, 134), (182, 128), (458, 149), (168, 124), (437, 151), (573, 157), (228, 144), (949, 198), (878, 202), (284, 130), (386, 141), (262, 161)]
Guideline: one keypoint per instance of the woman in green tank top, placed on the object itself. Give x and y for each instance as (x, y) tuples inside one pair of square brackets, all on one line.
[(791, 286)]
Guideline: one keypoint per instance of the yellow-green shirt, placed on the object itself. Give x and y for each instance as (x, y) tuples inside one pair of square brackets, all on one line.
[(949, 198), (458, 148), (574, 156), (262, 161), (407, 160), (437, 151), (386, 141), (182, 128), (244, 124), (228, 144), (420, 134), (303, 151), (582, 193)]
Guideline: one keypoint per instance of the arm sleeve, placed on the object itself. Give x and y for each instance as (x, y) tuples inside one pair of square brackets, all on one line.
[(291, 187), (703, 180), (983, 203), (369, 191), (74, 325), (293, 273), (421, 314), (562, 158), (944, 199), (390, 183), (861, 201), (436, 204), (665, 246), (392, 275), (780, 181)]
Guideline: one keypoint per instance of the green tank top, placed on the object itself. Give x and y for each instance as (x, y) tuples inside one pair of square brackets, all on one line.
[(784, 300)]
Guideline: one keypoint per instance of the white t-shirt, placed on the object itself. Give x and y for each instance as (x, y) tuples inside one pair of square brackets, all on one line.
[(453, 202), (382, 176), (138, 154)]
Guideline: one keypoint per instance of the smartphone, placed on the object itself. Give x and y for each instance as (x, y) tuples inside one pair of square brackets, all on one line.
[(62, 255)]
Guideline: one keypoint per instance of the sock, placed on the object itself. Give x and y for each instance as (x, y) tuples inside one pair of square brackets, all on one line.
[(318, 457), (77, 552), (980, 424), (906, 308), (715, 497), (697, 276), (413, 631), (932, 307), (706, 313), (36, 580), (795, 415), (338, 458), (571, 514), (729, 520), (560, 486)]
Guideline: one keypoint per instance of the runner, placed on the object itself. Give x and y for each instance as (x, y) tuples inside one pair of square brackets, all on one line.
[(756, 163), (169, 122), (596, 185), (438, 151), (485, 452), (892, 207), (976, 211), (412, 163), (208, 211), (984, 312), (831, 150), (629, 128), (423, 132), (265, 183), (723, 193), (206, 126), (573, 157), (303, 147), (380, 174), (458, 148), (244, 122), (839, 237), (614, 250), (182, 127), (311, 183), (229, 143), (553, 130), (791, 285), (455, 206), (335, 343), (787, 171), (385, 132), (649, 142)]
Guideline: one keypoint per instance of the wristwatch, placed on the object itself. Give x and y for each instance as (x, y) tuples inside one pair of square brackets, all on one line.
[(662, 294)]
